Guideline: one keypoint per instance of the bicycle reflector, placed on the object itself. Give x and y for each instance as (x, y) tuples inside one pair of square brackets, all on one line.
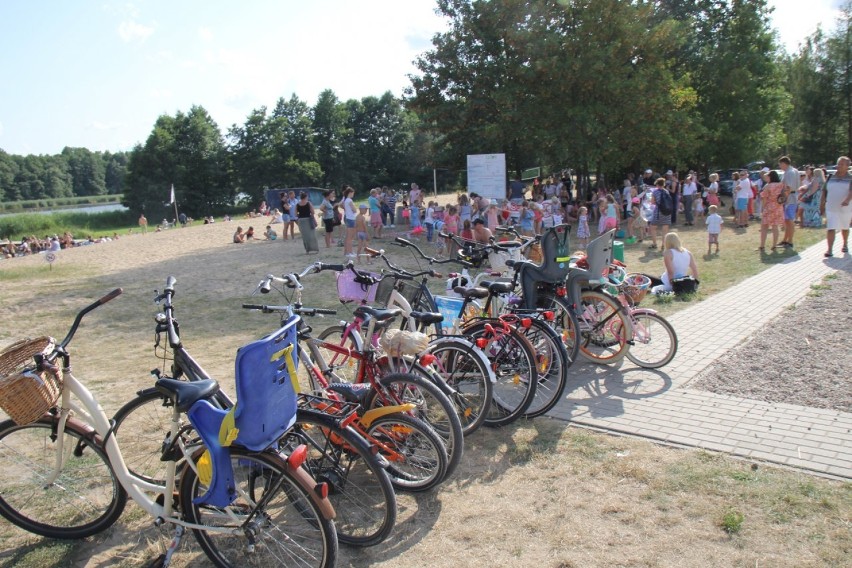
[(321, 489), (481, 342), (561, 291), (427, 359), (548, 315), (526, 323), (298, 457)]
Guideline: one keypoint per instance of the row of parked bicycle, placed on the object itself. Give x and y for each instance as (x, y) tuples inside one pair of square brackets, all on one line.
[(305, 458)]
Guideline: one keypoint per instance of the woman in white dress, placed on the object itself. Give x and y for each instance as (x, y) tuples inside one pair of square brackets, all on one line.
[(836, 206)]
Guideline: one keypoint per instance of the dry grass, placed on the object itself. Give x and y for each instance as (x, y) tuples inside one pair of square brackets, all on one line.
[(538, 494)]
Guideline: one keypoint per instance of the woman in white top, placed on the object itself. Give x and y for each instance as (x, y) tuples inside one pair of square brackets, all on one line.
[(679, 263), (349, 214), (836, 203), (713, 190)]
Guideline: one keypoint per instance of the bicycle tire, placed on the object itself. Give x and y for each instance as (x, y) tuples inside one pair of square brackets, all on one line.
[(652, 328), (432, 407), (148, 418), (604, 328), (551, 364), (513, 362), (359, 487), (309, 539), (86, 498), (564, 320), (465, 368), (422, 461)]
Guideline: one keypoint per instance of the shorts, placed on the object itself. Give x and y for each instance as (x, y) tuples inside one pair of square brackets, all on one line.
[(329, 225), (790, 212), (285, 218), (350, 223), (742, 204), (362, 236), (713, 238)]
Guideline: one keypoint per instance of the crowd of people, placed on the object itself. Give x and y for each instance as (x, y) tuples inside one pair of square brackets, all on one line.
[(34, 245)]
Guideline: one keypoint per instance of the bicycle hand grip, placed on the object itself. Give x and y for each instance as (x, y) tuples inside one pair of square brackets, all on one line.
[(170, 284), (112, 295), (373, 252), (401, 241), (334, 267), (321, 311), (445, 235), (253, 307), (437, 274)]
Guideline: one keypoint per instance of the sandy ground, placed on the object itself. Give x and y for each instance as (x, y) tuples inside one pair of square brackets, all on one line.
[(535, 494)]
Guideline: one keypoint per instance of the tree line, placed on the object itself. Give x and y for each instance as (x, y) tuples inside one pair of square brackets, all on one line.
[(72, 173), (601, 86)]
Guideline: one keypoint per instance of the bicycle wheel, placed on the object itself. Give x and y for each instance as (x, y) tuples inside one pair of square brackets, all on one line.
[(513, 362), (466, 369), (273, 521), (415, 453), (551, 364), (604, 328), (145, 423), (84, 500), (359, 488), (564, 321), (343, 366), (654, 340), (432, 407)]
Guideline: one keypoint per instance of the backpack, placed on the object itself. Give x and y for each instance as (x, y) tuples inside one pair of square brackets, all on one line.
[(664, 202)]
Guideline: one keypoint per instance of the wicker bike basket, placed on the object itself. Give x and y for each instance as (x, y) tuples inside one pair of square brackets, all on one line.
[(636, 287), (25, 394)]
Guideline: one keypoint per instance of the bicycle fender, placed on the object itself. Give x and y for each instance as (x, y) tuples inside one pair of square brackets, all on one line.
[(640, 311), (309, 484), (375, 413)]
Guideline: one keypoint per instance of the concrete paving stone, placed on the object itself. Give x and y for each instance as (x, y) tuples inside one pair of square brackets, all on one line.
[(831, 462), (839, 471), (815, 452)]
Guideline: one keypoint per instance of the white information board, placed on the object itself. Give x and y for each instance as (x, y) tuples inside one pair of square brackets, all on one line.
[(486, 175)]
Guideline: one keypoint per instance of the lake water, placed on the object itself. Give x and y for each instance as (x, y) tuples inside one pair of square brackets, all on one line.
[(89, 209)]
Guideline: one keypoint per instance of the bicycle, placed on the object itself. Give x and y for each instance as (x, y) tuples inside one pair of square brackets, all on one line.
[(512, 357), (386, 387), (64, 476), (455, 364)]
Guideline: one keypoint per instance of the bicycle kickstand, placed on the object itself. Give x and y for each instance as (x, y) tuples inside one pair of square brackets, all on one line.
[(163, 560)]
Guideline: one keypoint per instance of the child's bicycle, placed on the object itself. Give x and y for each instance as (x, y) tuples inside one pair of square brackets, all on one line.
[(63, 475)]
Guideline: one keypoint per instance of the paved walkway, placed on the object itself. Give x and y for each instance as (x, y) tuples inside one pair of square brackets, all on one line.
[(659, 404)]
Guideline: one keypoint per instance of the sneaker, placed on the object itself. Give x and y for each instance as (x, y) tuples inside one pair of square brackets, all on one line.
[(392, 226)]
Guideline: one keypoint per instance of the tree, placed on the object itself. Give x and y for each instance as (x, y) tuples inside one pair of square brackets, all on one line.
[(87, 171), (186, 150), (8, 170), (330, 118)]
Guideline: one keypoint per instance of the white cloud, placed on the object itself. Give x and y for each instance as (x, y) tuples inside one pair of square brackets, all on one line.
[(795, 24), (160, 93), (133, 31), (98, 125), (205, 34)]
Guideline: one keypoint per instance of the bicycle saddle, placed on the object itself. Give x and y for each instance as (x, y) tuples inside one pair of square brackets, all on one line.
[(497, 287), (471, 292), (184, 393), (426, 317), (379, 314), (351, 392)]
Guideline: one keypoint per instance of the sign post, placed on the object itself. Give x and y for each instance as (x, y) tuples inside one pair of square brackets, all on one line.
[(50, 257), (486, 175)]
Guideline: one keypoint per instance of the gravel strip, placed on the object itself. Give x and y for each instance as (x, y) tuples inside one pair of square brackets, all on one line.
[(802, 357)]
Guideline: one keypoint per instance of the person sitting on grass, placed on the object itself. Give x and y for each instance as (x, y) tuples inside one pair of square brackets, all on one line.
[(679, 263)]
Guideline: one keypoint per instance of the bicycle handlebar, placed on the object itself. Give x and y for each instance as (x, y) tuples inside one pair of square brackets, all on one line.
[(112, 295), (268, 309)]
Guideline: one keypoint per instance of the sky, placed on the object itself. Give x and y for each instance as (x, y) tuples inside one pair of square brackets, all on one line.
[(97, 73)]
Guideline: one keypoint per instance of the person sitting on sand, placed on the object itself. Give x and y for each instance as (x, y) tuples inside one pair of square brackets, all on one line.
[(239, 236), (250, 233), (270, 234)]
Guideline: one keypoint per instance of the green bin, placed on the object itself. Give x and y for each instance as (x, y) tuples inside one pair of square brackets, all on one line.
[(618, 250)]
